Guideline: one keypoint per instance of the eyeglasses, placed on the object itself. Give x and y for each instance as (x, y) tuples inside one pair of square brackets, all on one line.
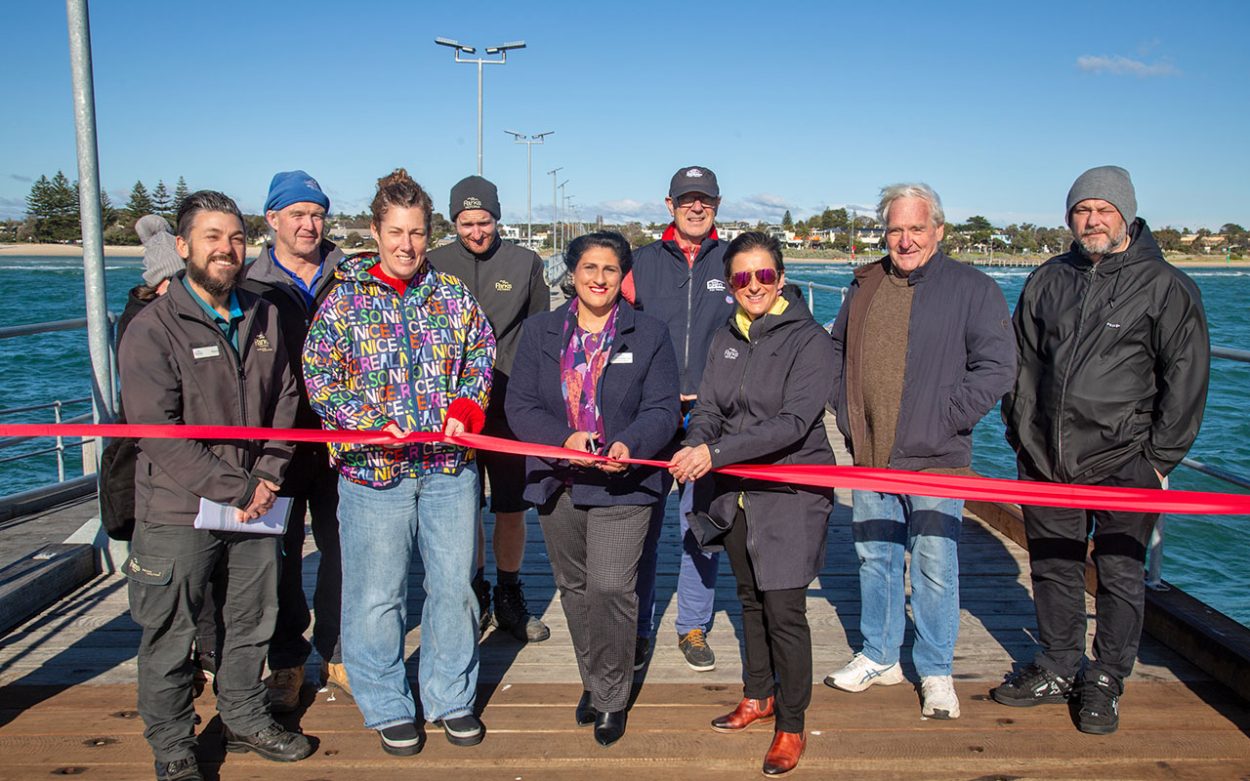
[(687, 201), (765, 276)]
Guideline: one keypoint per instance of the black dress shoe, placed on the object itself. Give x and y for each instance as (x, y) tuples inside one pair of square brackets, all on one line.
[(272, 742), (609, 727), (585, 713)]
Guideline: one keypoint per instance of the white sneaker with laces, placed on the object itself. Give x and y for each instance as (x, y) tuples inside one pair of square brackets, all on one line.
[(937, 695), (862, 672)]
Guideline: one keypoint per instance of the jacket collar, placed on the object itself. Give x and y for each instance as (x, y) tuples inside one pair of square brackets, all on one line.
[(933, 268), (625, 317), (355, 269), (263, 269), (1141, 246)]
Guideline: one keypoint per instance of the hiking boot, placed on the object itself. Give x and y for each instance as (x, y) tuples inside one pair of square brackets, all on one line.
[(1099, 697), (273, 742), (1034, 685), (937, 697), (283, 688), (185, 769), (481, 587), (462, 730), (513, 615), (402, 740), (642, 648), (862, 672), (694, 647), (336, 679)]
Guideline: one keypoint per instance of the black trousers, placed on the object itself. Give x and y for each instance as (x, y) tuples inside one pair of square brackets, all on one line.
[(168, 570), (1058, 540), (776, 637), (594, 554), (312, 485)]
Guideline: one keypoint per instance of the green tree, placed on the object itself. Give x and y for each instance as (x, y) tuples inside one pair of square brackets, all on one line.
[(787, 222), (836, 219), (162, 202), (140, 203), (180, 193), (1169, 239)]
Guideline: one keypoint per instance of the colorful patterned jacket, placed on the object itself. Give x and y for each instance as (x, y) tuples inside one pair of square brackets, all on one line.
[(373, 357)]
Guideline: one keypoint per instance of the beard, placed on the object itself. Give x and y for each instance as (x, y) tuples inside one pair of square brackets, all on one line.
[(217, 285), (1098, 243)]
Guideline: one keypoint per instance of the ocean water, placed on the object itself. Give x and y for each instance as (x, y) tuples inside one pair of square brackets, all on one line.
[(1204, 555)]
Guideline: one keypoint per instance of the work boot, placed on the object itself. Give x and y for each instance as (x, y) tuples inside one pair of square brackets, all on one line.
[(273, 743), (336, 679), (185, 769), (694, 647), (481, 587), (513, 615), (283, 689)]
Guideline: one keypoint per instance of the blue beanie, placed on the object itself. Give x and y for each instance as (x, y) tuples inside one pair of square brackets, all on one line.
[(290, 187)]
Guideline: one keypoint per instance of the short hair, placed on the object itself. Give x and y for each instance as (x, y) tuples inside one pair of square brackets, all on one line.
[(205, 201), (753, 240), (919, 190), (609, 240), (398, 189)]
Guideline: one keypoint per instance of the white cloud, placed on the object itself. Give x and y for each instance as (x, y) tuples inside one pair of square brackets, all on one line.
[(1124, 66)]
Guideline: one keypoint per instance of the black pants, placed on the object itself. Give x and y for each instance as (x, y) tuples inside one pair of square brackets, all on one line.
[(312, 485), (168, 570), (776, 636), (594, 554), (1058, 541)]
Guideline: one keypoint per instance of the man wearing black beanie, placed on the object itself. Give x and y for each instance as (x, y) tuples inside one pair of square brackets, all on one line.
[(507, 281)]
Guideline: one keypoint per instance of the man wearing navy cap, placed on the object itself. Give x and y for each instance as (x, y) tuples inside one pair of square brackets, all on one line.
[(295, 273)]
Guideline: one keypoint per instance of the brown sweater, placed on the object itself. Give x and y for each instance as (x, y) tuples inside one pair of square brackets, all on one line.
[(884, 363)]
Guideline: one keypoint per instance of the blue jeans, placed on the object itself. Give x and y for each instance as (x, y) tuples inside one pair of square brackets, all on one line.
[(696, 581), (884, 526), (377, 528)]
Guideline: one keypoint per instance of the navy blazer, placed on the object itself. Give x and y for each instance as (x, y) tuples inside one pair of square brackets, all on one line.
[(639, 401)]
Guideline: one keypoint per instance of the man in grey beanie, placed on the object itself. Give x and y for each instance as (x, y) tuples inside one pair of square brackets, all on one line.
[(507, 281), (1112, 381)]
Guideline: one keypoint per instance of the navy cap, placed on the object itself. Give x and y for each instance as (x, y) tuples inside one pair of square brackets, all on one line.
[(694, 179)]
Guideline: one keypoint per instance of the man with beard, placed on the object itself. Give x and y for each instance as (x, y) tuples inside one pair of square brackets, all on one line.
[(1114, 362), (295, 273), (206, 353)]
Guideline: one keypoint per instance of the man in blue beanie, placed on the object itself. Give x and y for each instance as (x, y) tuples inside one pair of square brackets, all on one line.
[(295, 272)]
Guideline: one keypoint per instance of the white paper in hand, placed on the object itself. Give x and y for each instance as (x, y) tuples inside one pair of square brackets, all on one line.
[(221, 517)]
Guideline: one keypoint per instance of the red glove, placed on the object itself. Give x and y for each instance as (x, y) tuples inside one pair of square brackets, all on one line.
[(469, 413)]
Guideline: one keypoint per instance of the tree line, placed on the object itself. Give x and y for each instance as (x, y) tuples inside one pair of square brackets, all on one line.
[(52, 210)]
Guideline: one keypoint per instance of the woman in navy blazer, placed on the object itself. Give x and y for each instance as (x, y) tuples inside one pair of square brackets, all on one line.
[(596, 376)]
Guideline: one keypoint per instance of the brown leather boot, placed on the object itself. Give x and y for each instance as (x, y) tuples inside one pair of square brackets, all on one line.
[(783, 755), (747, 713)]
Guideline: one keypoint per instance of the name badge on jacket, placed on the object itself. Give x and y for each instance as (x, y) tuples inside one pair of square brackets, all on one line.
[(622, 358), (200, 353)]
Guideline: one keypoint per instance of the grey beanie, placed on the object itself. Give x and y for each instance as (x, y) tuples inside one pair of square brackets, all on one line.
[(1112, 184), (160, 254), (474, 192)]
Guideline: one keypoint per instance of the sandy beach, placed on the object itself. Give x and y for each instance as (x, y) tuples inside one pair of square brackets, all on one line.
[(136, 251)]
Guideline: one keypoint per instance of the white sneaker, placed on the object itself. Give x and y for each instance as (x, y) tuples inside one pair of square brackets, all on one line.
[(937, 695), (862, 672)]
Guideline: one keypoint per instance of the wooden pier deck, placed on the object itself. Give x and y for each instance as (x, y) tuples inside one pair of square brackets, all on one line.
[(67, 697)]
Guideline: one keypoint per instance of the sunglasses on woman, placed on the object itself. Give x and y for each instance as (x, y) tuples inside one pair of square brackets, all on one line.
[(741, 279)]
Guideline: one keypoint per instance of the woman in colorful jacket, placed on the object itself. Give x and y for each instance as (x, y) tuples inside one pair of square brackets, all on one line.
[(596, 376), (761, 401), (398, 347)]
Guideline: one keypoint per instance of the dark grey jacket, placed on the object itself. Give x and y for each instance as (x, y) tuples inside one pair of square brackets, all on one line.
[(961, 359), (507, 282), (762, 402), (1114, 364), (177, 368)]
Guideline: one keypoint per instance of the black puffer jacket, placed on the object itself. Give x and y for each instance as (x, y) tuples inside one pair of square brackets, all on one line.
[(1114, 362), (762, 401)]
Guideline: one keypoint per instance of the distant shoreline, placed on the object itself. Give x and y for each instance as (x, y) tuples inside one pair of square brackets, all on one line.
[(135, 251)]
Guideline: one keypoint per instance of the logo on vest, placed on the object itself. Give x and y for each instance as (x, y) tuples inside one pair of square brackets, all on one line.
[(472, 203), (731, 354), (503, 286), (262, 344), (716, 285)]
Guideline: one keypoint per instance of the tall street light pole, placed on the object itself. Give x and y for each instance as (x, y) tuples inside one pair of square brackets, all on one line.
[(555, 243), (502, 51), (566, 181), (529, 142)]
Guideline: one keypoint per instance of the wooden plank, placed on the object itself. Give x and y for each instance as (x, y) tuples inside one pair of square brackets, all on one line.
[(33, 582)]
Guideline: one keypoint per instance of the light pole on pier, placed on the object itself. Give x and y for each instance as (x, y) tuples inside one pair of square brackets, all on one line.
[(566, 181), (529, 142), (555, 210), (502, 51)]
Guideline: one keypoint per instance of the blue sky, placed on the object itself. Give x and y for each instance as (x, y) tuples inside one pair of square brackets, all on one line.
[(999, 106)]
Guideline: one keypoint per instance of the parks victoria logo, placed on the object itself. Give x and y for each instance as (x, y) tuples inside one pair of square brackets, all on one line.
[(472, 202), (503, 286), (262, 344)]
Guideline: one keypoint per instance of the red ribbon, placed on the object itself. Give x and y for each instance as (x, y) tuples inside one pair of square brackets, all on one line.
[(893, 481)]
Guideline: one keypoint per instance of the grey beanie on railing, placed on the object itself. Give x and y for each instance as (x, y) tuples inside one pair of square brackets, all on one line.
[(1112, 184), (160, 254)]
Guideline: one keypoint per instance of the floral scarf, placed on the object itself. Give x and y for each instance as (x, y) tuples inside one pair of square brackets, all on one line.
[(582, 362)]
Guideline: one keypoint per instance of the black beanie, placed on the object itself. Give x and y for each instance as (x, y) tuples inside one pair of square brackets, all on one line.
[(474, 192)]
